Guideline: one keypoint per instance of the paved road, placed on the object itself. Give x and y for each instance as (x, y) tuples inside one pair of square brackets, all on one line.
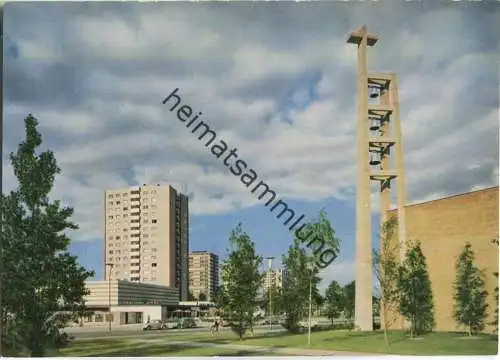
[(127, 332)]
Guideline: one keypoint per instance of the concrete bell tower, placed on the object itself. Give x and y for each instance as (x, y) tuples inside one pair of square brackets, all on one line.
[(378, 132)]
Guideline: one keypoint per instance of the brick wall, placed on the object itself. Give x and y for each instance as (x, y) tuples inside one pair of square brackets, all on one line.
[(443, 226)]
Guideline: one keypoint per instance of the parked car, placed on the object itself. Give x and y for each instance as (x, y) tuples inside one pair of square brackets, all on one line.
[(171, 324), (186, 323), (274, 321), (154, 325)]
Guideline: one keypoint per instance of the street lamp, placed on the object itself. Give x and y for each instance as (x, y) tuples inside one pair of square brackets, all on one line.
[(270, 267), (311, 268), (110, 265)]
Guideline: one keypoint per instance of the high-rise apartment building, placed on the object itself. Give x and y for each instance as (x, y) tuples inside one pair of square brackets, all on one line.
[(203, 274), (275, 278), (147, 236)]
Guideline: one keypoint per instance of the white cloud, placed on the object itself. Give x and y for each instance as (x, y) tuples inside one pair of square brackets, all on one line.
[(278, 83)]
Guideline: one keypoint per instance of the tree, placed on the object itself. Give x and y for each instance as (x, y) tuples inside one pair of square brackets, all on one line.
[(302, 262), (320, 239), (318, 299), (301, 274), (350, 300), (495, 292), (202, 297), (220, 300), (191, 296), (385, 264), (416, 301), (40, 279), (275, 294), (376, 305), (242, 281), (334, 300), (469, 292)]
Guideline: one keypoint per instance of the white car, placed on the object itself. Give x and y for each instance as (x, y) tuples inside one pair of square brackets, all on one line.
[(154, 325)]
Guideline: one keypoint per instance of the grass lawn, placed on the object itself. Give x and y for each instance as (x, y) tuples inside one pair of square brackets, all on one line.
[(373, 342), (337, 340), (113, 347)]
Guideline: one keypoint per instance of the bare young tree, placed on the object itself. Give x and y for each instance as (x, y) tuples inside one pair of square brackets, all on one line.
[(385, 263)]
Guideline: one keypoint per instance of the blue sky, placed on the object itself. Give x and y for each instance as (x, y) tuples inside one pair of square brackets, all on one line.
[(276, 80)]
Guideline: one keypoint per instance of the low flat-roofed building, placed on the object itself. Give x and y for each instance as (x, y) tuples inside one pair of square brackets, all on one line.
[(131, 302)]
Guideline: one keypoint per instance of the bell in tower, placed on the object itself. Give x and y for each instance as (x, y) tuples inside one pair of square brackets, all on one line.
[(374, 126), (374, 159), (373, 91)]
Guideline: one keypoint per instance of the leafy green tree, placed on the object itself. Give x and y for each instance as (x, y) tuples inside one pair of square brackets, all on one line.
[(495, 292), (469, 293), (202, 297), (416, 301), (385, 264), (315, 246), (350, 300), (191, 296), (334, 301), (220, 301), (242, 281), (318, 299), (40, 280), (376, 305), (320, 239), (275, 294), (301, 274)]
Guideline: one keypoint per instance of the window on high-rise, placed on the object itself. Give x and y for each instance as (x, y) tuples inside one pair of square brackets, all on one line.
[(154, 221)]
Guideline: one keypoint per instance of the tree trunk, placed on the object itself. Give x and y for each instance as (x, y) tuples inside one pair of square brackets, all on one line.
[(470, 329), (386, 338), (36, 349), (386, 325)]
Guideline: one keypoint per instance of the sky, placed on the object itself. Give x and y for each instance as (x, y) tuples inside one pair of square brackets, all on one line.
[(276, 80)]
